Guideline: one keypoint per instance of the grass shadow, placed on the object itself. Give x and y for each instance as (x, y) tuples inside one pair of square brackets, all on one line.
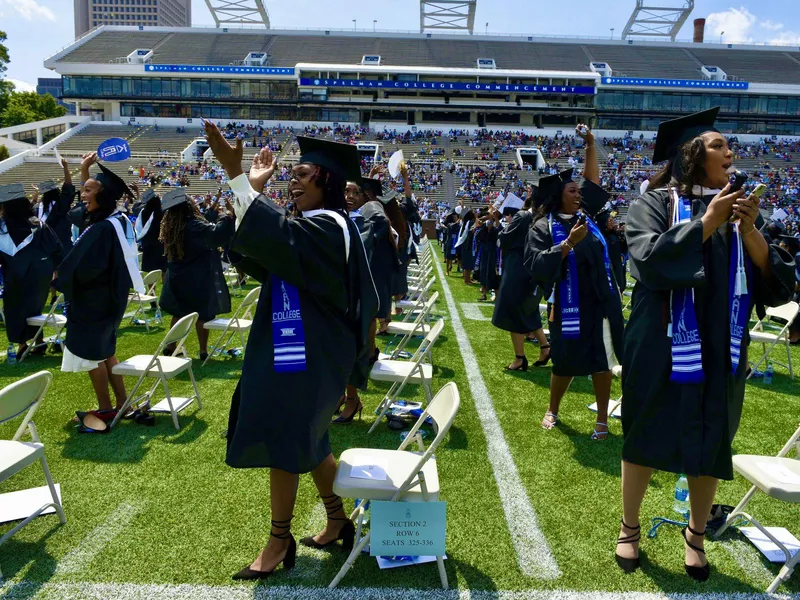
[(595, 454), (17, 554)]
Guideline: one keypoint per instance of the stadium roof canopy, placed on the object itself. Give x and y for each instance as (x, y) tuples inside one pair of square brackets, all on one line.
[(631, 58)]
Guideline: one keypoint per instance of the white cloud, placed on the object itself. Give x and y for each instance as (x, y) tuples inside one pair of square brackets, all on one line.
[(737, 24), (786, 38), (21, 86), (771, 25), (29, 9)]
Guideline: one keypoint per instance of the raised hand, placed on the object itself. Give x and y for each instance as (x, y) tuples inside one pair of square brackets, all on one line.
[(87, 160), (230, 157), (263, 168)]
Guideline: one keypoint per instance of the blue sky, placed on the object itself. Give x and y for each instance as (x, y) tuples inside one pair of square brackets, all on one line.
[(39, 28)]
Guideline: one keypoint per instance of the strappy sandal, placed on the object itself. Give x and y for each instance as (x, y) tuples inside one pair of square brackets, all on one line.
[(629, 565), (599, 435), (288, 561), (547, 425), (523, 365), (333, 504), (697, 573), (544, 361)]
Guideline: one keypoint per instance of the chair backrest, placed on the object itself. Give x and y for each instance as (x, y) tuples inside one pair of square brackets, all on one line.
[(430, 338), (251, 298), (786, 312), (179, 332), (21, 396), (151, 280), (442, 410), (793, 441)]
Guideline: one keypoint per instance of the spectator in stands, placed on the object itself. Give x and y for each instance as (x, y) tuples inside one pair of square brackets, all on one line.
[(681, 407)]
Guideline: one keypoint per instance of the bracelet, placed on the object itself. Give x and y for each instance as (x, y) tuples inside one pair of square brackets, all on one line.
[(568, 244), (752, 229)]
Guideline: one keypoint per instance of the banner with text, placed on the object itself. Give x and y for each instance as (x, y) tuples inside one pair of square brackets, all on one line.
[(448, 86)]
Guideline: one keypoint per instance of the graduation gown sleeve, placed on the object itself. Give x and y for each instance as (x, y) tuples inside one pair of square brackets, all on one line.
[(542, 258), (663, 257)]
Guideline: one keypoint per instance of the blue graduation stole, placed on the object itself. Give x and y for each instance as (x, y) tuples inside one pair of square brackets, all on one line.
[(476, 251), (288, 334), (568, 287)]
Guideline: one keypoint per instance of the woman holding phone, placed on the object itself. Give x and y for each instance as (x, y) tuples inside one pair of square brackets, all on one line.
[(700, 266)]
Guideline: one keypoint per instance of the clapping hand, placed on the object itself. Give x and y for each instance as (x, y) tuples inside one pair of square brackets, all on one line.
[(264, 165), (230, 157)]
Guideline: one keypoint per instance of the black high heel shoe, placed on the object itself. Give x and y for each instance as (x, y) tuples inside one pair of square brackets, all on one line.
[(288, 561), (339, 406), (333, 504), (522, 367), (697, 573), (628, 565), (342, 420), (543, 362)]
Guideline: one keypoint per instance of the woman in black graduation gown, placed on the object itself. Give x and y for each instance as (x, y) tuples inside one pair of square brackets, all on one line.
[(486, 255), (680, 415), (95, 278), (309, 334), (516, 308), (403, 216), (54, 206), (566, 250), (148, 231), (195, 281), (451, 237), (464, 244), (29, 254)]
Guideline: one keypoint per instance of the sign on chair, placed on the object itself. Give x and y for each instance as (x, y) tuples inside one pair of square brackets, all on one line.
[(407, 528)]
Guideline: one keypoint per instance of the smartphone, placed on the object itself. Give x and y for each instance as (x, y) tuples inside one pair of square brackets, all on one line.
[(760, 189), (739, 179)]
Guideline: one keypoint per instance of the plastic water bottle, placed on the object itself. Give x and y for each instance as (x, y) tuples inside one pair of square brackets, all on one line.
[(159, 319), (11, 354), (768, 374), (681, 504)]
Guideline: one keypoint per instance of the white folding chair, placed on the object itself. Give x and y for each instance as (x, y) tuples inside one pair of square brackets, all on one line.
[(162, 368), (778, 477), (23, 398), (234, 279), (420, 327), (777, 333), (413, 290), (51, 319), (412, 476), (417, 370), (240, 323), (143, 301)]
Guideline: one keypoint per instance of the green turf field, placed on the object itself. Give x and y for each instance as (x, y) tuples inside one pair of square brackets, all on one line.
[(155, 506)]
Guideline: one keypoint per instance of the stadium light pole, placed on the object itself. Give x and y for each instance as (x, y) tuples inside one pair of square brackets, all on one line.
[(374, 24), (486, 32), (721, 33), (354, 25)]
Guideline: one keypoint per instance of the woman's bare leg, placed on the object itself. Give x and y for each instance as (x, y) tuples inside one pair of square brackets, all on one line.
[(701, 496), (635, 480), (283, 493), (323, 476), (99, 377)]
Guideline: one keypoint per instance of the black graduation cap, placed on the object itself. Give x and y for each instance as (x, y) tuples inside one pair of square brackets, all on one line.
[(387, 195), (114, 187), (174, 197), (147, 195), (12, 191), (593, 197), (342, 159), (48, 186), (551, 184), (372, 185), (675, 133)]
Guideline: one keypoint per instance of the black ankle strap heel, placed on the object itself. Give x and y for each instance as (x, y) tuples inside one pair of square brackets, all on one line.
[(629, 565), (333, 504), (283, 533), (697, 573)]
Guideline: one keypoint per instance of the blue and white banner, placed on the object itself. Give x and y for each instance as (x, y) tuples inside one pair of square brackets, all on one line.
[(502, 88), (684, 83), (240, 70), (114, 150)]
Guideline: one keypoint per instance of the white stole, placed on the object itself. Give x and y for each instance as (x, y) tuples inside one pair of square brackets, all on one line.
[(7, 245), (129, 251)]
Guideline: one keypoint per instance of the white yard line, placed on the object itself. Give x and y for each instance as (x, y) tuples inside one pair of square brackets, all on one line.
[(80, 558), (533, 552), (132, 591), (473, 312)]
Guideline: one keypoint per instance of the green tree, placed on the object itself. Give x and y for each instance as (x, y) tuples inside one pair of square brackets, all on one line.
[(4, 153), (6, 87), (27, 107)]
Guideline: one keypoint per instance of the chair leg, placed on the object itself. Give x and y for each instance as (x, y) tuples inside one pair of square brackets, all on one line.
[(784, 573), (52, 486), (789, 357), (357, 549), (169, 401), (194, 386), (442, 572), (736, 511), (213, 350)]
